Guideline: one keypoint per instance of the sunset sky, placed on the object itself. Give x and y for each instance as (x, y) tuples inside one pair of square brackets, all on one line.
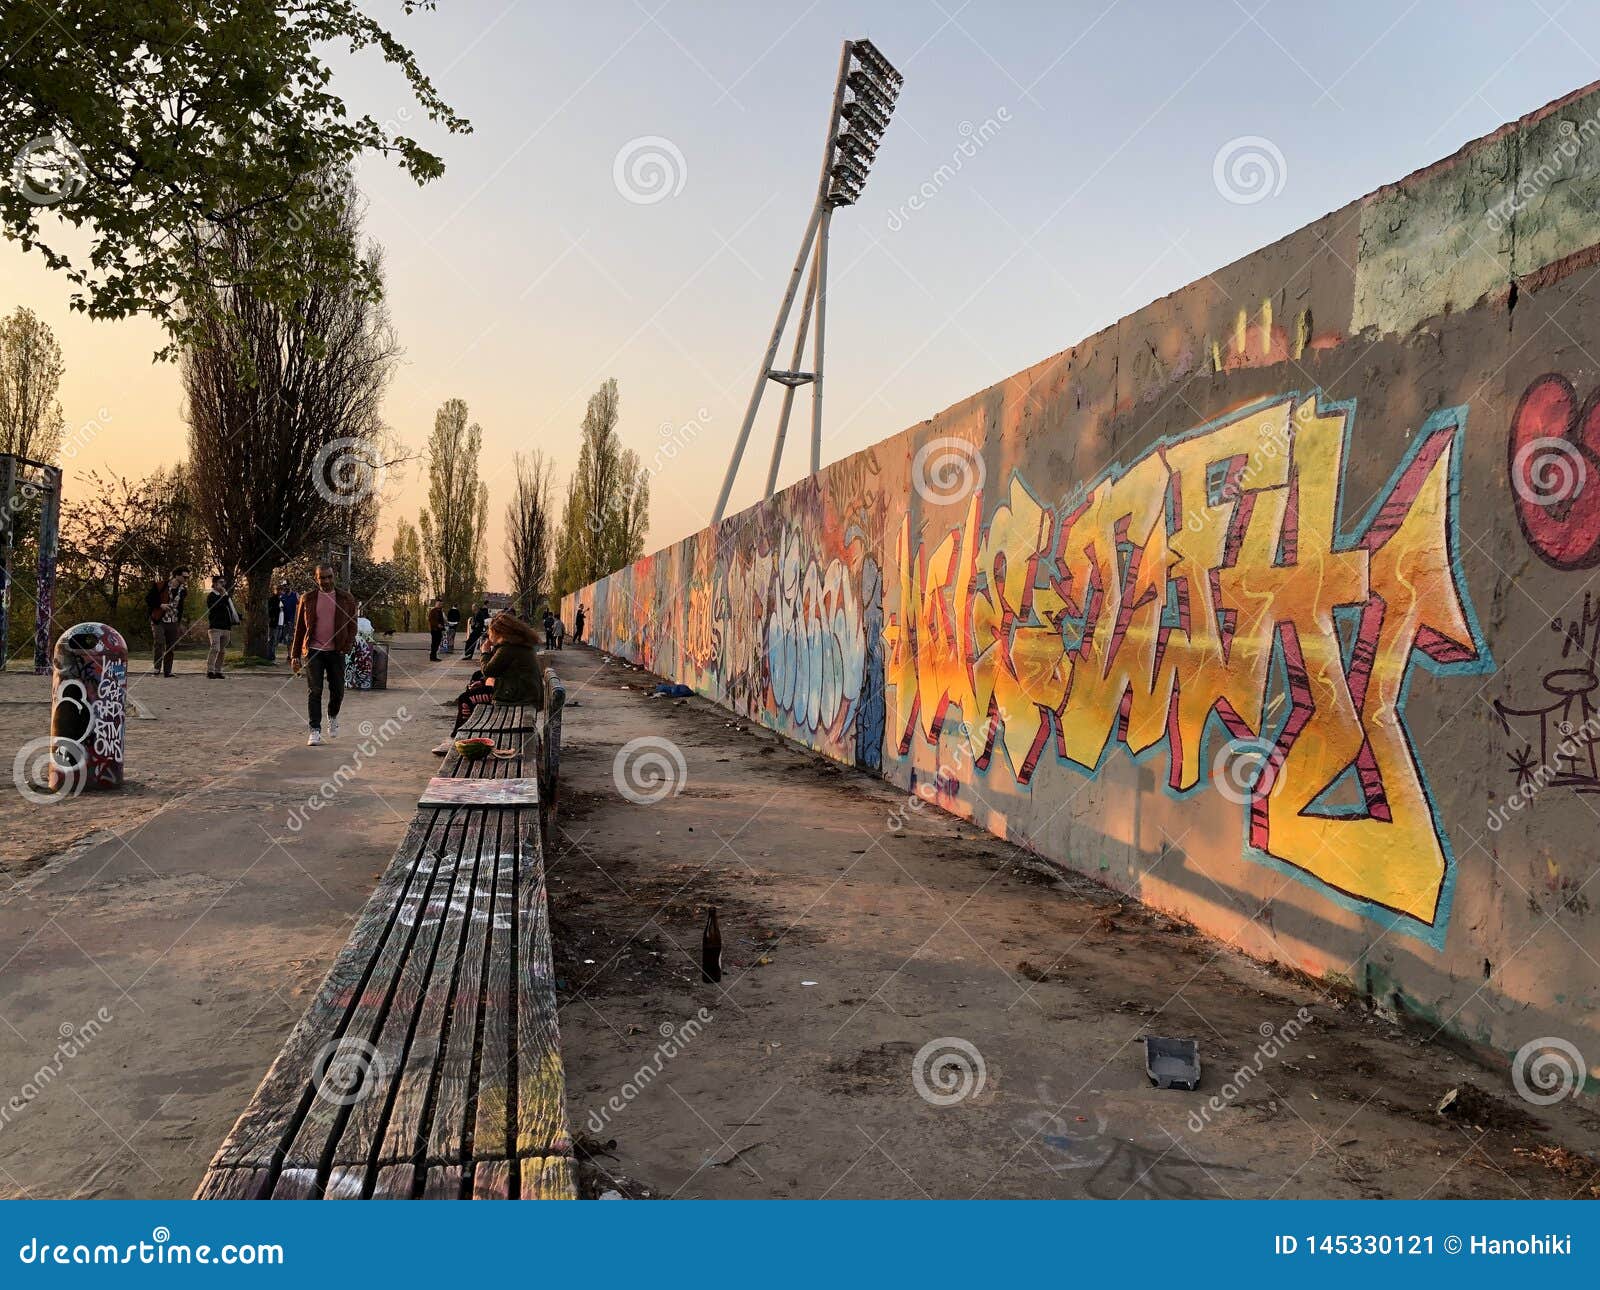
[(525, 277)]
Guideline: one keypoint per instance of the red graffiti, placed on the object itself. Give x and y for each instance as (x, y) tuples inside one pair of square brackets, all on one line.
[(1553, 459)]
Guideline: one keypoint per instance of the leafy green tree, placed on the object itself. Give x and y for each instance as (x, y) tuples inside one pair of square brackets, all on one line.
[(457, 515), (606, 517), (169, 128)]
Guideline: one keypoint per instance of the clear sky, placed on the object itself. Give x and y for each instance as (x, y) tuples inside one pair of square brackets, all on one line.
[(525, 276)]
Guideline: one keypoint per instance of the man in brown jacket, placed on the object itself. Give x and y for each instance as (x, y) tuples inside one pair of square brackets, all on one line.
[(324, 631), (435, 629)]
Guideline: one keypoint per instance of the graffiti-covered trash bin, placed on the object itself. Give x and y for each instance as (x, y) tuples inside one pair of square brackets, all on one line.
[(88, 708), (358, 665)]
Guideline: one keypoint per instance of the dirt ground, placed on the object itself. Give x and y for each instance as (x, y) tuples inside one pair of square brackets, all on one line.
[(904, 1011), (858, 956)]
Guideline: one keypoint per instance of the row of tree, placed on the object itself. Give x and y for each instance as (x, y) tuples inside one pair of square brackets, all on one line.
[(602, 524), (287, 460)]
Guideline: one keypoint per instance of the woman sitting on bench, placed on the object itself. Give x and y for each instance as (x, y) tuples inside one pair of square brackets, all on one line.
[(511, 662)]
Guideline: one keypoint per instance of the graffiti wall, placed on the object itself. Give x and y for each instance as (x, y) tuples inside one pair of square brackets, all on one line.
[(1275, 605)]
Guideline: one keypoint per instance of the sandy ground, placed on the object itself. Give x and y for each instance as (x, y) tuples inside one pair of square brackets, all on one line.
[(852, 947), (157, 945)]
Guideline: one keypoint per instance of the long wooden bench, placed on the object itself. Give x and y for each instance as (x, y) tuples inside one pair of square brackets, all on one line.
[(429, 1064)]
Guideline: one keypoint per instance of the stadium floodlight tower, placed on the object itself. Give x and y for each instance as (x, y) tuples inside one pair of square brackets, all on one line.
[(863, 101)]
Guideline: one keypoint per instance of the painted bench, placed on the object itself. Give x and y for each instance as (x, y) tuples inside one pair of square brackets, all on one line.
[(428, 1065)]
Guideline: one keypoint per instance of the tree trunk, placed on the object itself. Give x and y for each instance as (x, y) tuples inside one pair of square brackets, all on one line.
[(257, 587)]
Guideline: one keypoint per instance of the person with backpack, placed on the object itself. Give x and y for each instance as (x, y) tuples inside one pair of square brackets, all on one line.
[(549, 630), (221, 618)]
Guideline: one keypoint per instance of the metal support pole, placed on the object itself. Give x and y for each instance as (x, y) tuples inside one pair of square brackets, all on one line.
[(794, 366), (822, 318), (818, 211), (766, 362)]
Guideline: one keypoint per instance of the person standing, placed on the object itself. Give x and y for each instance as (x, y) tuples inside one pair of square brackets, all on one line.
[(560, 629), (221, 618), (274, 618), (165, 601), (479, 620), (324, 631), (549, 630), (452, 622), (280, 619), (435, 629), (155, 602), (577, 627)]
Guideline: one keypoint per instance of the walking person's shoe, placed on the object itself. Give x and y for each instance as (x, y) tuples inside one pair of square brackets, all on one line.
[(333, 727), (314, 739)]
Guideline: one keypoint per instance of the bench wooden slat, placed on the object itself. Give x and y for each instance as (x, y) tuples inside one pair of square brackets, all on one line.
[(492, 1088), (296, 1184), (491, 1180), (447, 1137), (541, 1084), (500, 719), (235, 1184), (549, 1178), (444, 1183), (440, 923), (257, 1139), (344, 1184), (419, 917), (404, 1135), (393, 1183)]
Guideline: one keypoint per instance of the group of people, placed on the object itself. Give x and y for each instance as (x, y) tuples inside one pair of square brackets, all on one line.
[(165, 602), (320, 628), (555, 631), (444, 623)]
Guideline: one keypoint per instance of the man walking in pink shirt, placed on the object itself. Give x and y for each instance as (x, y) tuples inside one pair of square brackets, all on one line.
[(324, 631)]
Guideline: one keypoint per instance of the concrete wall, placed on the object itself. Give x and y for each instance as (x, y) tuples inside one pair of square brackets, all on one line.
[(1272, 605)]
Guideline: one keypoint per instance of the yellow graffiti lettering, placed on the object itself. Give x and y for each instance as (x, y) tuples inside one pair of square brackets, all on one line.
[(1208, 575)]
